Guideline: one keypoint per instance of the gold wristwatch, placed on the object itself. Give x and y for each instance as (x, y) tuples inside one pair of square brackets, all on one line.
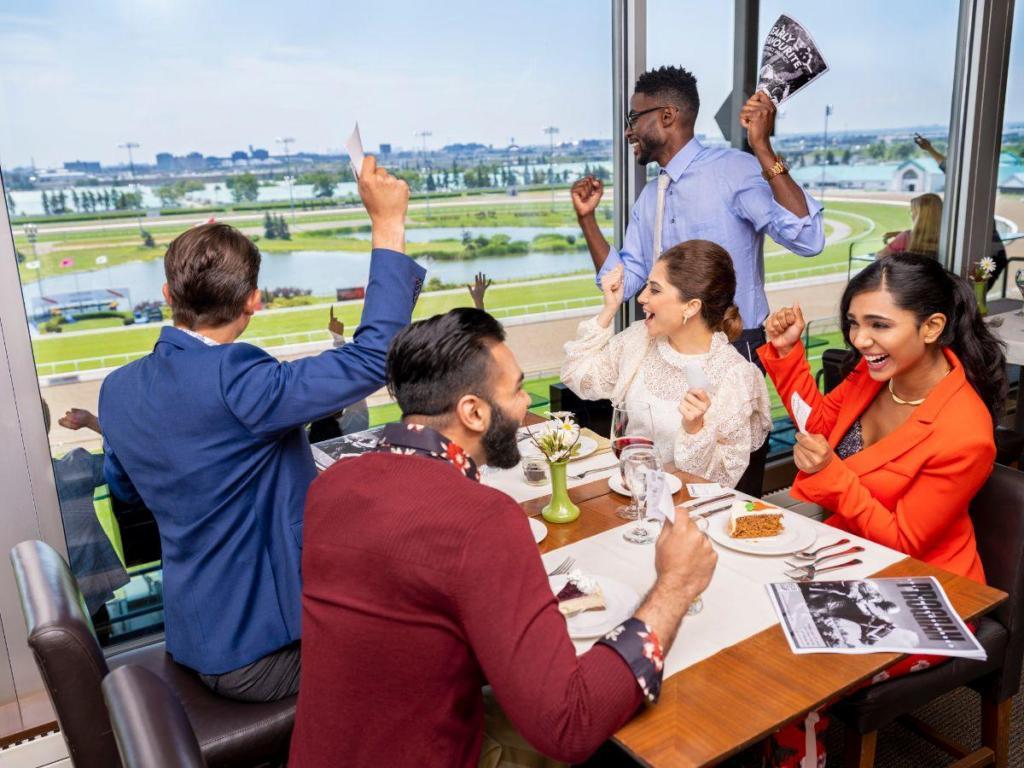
[(776, 170)]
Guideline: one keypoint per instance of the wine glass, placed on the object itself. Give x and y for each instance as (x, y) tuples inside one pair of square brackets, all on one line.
[(632, 426), (637, 464), (1019, 280)]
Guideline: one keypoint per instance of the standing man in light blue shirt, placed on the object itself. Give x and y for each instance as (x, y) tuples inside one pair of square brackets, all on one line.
[(729, 197)]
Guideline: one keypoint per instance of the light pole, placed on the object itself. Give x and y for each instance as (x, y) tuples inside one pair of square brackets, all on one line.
[(423, 135), (287, 141), (551, 131), (824, 153), (31, 232), (130, 145)]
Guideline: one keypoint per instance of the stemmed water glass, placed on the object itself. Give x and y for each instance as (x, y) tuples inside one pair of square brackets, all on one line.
[(632, 429), (1019, 280), (637, 463)]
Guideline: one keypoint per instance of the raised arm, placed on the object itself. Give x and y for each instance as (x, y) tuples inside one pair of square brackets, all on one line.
[(786, 363), (269, 397), (591, 367), (777, 206)]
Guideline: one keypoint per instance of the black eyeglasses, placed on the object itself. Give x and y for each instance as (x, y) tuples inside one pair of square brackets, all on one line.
[(631, 116)]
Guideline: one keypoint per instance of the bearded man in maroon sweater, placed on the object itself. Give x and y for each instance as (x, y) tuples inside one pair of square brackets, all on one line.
[(421, 585)]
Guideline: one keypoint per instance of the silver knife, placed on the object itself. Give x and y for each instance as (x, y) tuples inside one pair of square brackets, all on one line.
[(708, 500), (710, 512)]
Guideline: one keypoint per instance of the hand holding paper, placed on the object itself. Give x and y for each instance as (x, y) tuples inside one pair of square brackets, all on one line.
[(696, 378)]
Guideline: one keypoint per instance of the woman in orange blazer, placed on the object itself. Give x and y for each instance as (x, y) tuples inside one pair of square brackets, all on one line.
[(898, 450)]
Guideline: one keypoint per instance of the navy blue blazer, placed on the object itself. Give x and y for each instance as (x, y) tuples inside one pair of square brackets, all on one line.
[(211, 438)]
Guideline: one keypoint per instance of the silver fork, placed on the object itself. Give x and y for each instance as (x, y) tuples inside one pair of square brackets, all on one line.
[(565, 566), (810, 555), (581, 475), (820, 560), (804, 575)]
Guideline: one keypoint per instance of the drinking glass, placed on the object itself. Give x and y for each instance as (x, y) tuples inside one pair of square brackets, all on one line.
[(637, 463), (632, 427), (631, 511), (1019, 280)]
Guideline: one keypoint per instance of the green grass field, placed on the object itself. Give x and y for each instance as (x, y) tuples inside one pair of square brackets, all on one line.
[(58, 353)]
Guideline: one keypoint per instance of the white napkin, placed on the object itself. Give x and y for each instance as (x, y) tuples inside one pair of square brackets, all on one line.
[(700, 490)]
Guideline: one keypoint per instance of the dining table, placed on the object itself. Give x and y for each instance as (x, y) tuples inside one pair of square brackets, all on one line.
[(730, 678)]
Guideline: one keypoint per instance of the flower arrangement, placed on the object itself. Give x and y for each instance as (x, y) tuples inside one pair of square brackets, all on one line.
[(559, 439), (983, 269)]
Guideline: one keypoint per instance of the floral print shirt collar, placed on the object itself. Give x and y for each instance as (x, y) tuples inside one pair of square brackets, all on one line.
[(411, 439)]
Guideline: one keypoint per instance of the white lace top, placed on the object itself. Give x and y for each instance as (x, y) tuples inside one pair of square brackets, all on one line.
[(632, 367)]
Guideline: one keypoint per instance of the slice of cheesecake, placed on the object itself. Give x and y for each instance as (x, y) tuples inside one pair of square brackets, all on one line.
[(580, 593)]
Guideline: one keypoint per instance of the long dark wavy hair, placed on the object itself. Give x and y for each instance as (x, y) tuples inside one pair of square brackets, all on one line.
[(923, 286)]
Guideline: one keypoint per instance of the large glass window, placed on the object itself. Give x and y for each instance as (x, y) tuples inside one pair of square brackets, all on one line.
[(489, 111), (1009, 220)]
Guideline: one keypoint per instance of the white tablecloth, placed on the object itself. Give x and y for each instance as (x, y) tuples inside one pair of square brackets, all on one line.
[(1011, 331), (511, 481), (736, 603)]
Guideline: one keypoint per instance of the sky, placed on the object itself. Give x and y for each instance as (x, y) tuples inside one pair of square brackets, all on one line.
[(77, 79)]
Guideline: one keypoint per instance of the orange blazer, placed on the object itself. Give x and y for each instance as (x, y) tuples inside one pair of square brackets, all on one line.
[(910, 490)]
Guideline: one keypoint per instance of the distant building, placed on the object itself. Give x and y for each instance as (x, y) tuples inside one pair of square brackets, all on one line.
[(212, 162), (385, 149), (82, 166), (260, 154), (917, 175), (194, 161), (239, 154), (164, 161)]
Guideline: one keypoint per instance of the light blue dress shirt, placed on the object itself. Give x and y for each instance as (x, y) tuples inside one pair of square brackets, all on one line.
[(717, 194)]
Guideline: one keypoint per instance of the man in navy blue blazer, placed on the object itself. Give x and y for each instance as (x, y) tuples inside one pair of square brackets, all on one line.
[(209, 434)]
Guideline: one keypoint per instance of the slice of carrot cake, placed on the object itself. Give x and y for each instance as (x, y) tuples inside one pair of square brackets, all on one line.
[(754, 520)]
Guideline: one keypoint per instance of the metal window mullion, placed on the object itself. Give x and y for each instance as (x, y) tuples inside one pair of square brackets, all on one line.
[(629, 59)]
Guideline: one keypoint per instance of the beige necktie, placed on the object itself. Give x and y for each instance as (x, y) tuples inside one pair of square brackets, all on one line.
[(659, 215)]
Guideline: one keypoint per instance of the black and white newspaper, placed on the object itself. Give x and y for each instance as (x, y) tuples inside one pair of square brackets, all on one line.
[(891, 615), (329, 451), (790, 60)]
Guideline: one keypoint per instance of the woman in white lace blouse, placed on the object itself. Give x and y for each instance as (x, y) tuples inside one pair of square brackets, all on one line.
[(690, 318)]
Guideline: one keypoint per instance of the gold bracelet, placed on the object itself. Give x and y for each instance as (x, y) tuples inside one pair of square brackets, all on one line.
[(776, 170)]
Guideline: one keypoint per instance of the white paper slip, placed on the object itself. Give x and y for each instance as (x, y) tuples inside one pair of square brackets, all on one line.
[(354, 147), (659, 498), (696, 378), (801, 412), (698, 490)]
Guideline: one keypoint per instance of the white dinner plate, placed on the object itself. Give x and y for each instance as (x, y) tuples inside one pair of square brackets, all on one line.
[(615, 483), (620, 601), (797, 533), (530, 451), (539, 530)]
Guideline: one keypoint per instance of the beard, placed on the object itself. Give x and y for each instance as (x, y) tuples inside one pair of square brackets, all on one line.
[(501, 449)]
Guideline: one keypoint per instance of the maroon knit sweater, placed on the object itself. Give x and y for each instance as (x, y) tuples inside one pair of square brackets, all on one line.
[(420, 586)]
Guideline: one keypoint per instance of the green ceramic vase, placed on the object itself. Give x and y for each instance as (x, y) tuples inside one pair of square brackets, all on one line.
[(560, 509), (980, 289)]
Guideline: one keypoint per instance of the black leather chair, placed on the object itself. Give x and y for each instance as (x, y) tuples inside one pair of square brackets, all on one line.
[(72, 665), (150, 727), (998, 515)]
